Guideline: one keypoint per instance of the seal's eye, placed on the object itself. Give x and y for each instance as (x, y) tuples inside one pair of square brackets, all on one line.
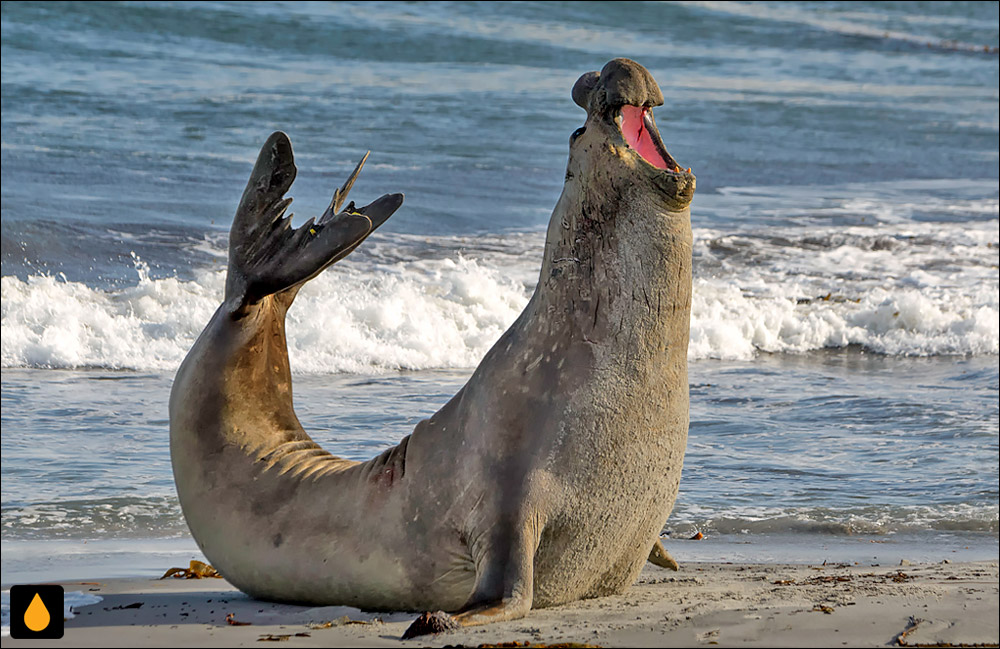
[(577, 133)]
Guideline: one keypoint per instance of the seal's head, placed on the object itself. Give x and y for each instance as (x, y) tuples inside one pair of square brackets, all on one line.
[(619, 101)]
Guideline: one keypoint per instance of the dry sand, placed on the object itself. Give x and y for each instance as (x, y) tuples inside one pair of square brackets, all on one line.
[(942, 604)]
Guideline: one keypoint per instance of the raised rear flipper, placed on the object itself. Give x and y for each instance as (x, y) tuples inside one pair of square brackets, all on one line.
[(266, 254)]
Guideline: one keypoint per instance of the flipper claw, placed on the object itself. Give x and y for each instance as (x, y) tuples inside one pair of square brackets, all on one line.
[(341, 194)]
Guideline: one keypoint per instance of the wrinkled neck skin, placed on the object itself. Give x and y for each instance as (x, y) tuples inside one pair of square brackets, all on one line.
[(617, 265)]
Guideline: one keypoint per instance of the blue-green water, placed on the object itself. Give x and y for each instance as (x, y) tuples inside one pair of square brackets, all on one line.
[(844, 351)]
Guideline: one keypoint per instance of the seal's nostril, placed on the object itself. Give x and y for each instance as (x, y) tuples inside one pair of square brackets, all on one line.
[(577, 133)]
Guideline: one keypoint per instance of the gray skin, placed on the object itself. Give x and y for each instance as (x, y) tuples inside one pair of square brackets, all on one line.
[(546, 479)]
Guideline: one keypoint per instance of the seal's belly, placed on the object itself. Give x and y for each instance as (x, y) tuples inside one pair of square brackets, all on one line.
[(370, 569)]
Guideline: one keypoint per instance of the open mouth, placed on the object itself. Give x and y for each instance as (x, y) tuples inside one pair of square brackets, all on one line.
[(639, 130)]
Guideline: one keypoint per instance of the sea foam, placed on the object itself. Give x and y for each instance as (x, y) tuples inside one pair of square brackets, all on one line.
[(430, 314), (906, 288)]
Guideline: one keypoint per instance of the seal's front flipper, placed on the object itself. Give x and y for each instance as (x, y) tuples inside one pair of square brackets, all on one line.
[(508, 608), (505, 572), (268, 255), (659, 556), (428, 623)]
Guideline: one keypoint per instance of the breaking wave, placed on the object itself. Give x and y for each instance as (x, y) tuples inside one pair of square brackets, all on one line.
[(914, 289)]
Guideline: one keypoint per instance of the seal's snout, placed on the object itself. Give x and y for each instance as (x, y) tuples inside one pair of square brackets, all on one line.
[(621, 82), (622, 95), (626, 82)]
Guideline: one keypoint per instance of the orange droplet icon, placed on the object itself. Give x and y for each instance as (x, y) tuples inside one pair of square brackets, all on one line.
[(36, 617)]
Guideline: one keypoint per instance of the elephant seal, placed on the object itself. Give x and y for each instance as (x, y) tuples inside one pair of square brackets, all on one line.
[(546, 479)]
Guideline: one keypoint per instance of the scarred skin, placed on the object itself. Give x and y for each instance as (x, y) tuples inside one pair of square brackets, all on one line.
[(546, 479)]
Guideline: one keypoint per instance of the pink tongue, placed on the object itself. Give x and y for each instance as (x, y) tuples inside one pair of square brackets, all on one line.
[(638, 137)]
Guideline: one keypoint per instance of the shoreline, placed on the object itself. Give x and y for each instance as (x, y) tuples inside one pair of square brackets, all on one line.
[(41, 560), (724, 604)]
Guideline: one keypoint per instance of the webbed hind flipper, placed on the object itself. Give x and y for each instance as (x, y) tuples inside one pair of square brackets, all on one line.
[(266, 254)]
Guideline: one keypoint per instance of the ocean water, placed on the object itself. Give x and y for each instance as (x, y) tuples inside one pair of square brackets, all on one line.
[(844, 333)]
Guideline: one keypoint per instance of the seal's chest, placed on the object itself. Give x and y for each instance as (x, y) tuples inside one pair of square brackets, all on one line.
[(596, 548)]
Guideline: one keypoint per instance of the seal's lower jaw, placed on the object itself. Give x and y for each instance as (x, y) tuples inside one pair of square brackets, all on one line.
[(632, 131)]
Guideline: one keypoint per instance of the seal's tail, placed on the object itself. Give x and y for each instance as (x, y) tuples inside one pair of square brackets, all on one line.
[(266, 254)]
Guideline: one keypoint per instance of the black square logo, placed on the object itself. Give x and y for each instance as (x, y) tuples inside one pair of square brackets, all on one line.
[(36, 612)]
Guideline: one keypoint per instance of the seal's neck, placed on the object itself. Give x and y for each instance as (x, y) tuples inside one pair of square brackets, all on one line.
[(615, 261)]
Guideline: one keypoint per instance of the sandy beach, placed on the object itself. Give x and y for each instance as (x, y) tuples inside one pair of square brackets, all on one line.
[(930, 604)]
